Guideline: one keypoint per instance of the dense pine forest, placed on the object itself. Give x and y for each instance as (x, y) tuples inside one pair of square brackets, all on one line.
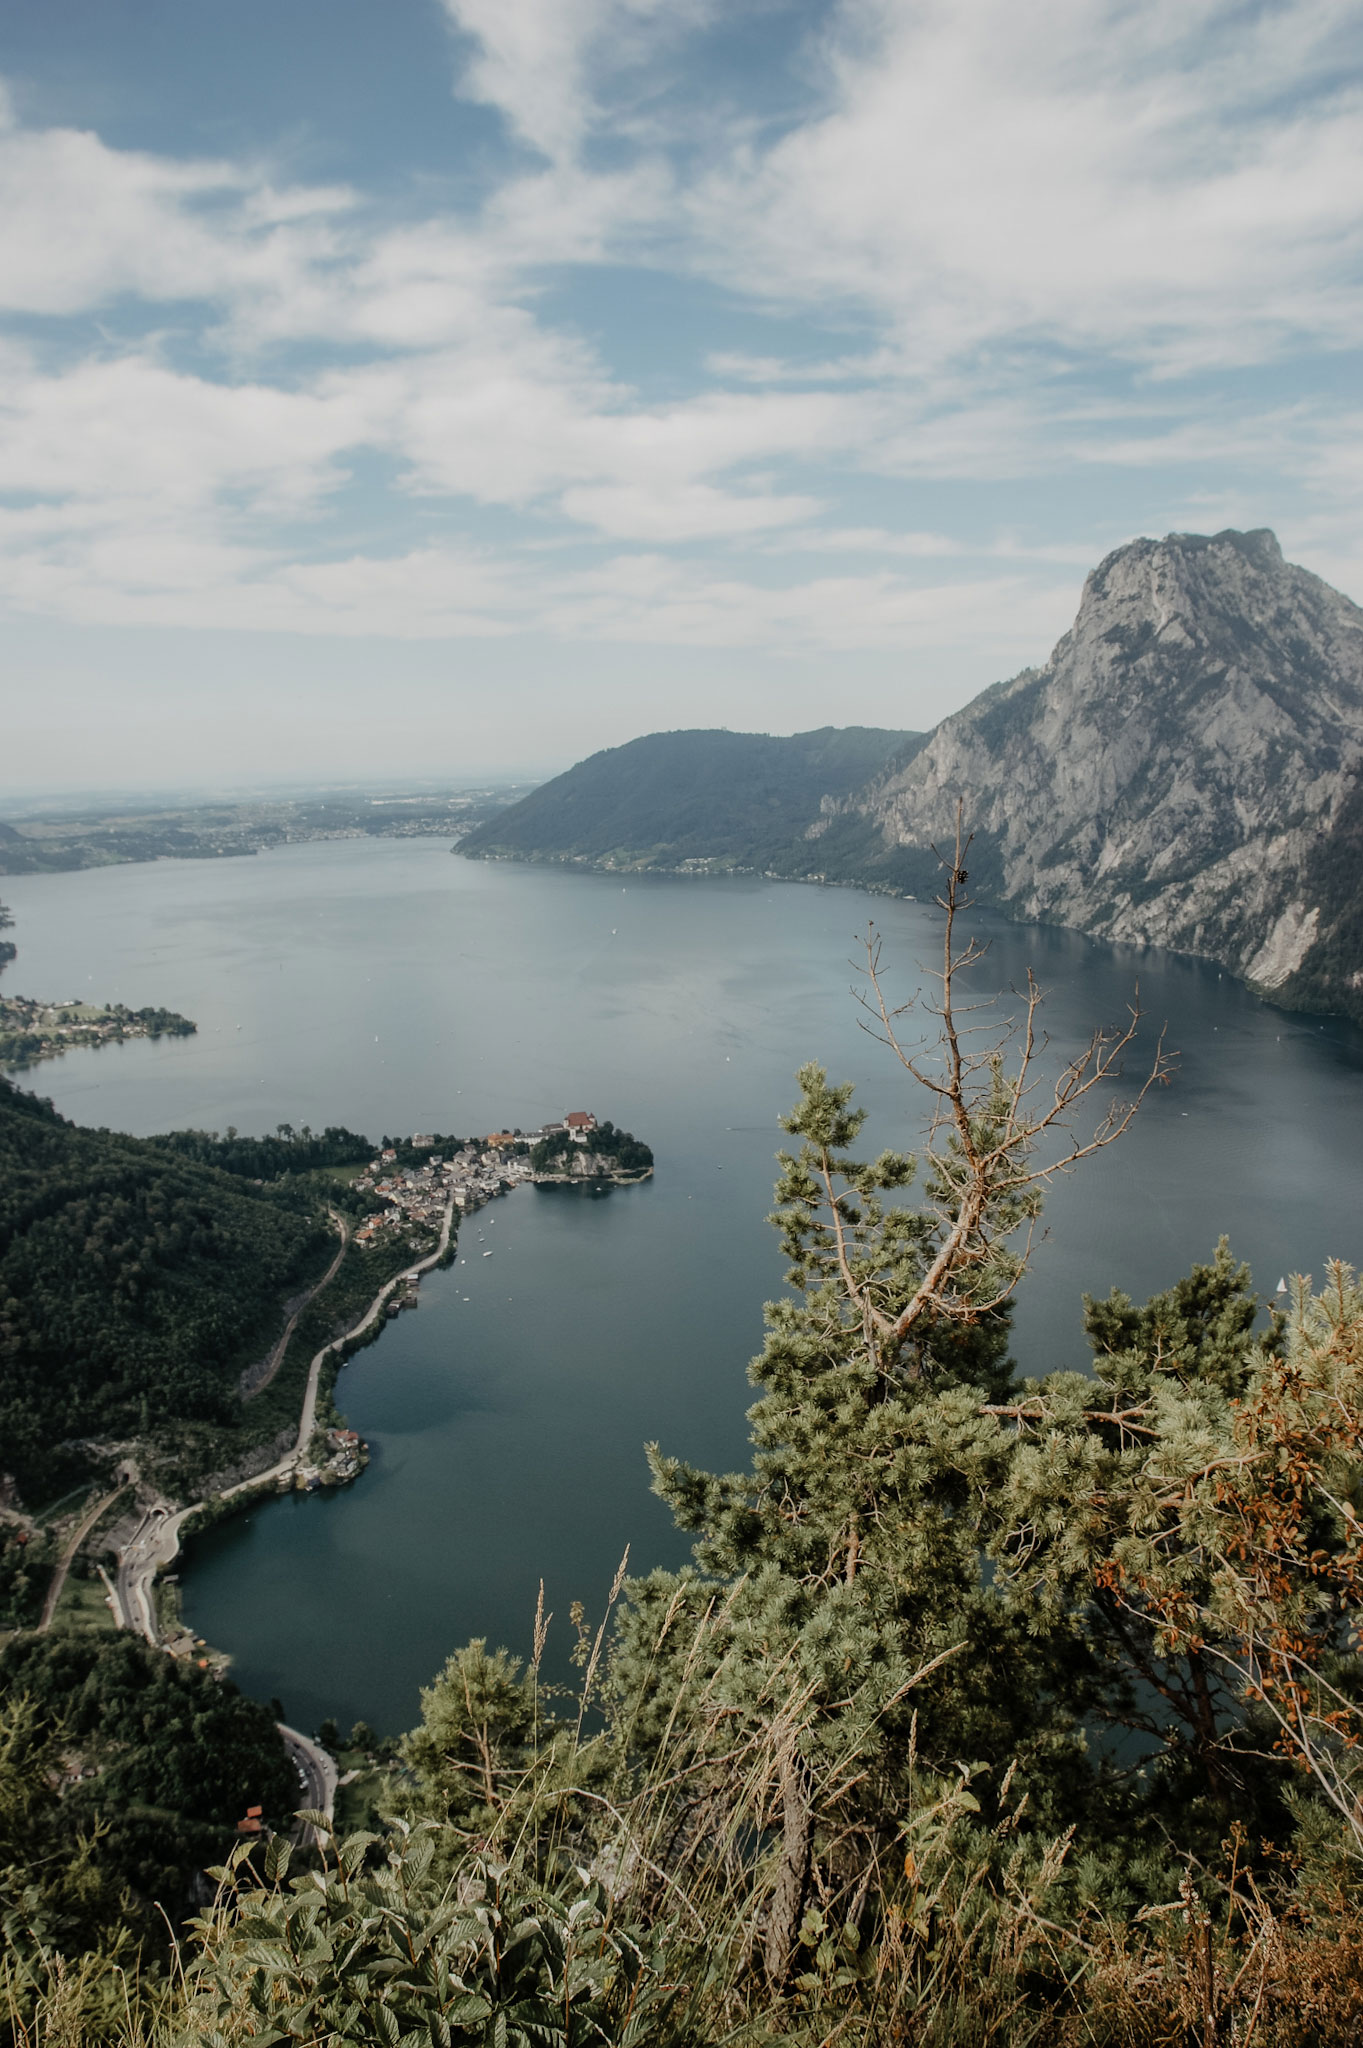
[(170, 1758)]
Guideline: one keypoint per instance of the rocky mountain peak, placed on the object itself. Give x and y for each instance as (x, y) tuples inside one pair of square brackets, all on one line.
[(1190, 563), (1169, 773), (1202, 611)]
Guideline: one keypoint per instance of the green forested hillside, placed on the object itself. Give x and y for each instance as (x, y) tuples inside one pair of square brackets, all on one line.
[(736, 799), (123, 1772), (134, 1282), (270, 1158)]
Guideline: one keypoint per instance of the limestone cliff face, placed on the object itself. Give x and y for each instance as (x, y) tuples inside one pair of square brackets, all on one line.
[(1175, 770)]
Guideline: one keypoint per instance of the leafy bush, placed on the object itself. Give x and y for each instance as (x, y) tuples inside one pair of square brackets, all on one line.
[(371, 1950)]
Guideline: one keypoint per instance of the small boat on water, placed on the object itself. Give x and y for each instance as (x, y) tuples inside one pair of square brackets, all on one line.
[(487, 1255)]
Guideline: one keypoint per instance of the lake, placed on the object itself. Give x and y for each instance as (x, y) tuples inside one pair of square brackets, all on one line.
[(389, 986)]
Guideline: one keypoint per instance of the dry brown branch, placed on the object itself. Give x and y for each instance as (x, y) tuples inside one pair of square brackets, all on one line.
[(985, 1174)]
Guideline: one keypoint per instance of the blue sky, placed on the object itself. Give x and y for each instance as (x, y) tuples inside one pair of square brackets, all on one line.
[(402, 388)]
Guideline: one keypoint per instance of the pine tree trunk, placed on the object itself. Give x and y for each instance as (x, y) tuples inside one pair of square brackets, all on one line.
[(792, 1877)]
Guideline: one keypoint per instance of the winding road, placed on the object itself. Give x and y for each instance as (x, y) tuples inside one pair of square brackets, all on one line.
[(308, 1418), (87, 1523), (316, 1777), (276, 1357)]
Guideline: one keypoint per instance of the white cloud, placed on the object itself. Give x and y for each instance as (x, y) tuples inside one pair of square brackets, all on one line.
[(82, 224), (876, 540), (653, 598), (1177, 181), (130, 429), (540, 61), (687, 511), (983, 228), (517, 418)]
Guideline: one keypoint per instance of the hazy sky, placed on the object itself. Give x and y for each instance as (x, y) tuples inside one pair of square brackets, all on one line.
[(410, 387)]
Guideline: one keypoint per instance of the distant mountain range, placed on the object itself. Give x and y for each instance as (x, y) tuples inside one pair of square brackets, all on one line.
[(1186, 770)]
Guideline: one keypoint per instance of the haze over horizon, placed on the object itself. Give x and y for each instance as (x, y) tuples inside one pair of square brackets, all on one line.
[(451, 388)]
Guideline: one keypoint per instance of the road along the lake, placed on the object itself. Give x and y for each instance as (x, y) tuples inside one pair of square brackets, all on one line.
[(156, 1541), (152, 1547)]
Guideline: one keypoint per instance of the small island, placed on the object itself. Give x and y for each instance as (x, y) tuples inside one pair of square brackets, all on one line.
[(32, 1030)]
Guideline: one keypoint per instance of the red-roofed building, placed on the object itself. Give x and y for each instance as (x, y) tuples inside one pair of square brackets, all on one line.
[(578, 1122)]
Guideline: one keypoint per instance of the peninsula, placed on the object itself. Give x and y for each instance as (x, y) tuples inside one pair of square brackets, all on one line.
[(580, 1150), (31, 1030), (411, 1189)]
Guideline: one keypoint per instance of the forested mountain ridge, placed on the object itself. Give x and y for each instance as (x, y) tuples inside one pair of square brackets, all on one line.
[(134, 1281), (1183, 771), (712, 799)]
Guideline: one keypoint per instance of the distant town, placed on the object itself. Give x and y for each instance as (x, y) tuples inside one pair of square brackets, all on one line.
[(31, 1030)]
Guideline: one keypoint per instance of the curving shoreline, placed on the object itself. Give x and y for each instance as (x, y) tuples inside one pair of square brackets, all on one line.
[(627, 1178), (156, 1543)]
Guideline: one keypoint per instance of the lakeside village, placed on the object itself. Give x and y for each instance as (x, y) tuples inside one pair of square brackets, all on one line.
[(420, 1181), (580, 1150)]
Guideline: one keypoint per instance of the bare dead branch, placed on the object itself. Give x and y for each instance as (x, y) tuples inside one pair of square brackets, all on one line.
[(985, 1156)]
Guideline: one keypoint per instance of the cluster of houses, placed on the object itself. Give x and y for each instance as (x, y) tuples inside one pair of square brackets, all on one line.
[(416, 1194), (31, 1030), (479, 1170), (343, 1460)]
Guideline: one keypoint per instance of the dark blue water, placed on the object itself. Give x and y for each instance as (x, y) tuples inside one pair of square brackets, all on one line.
[(392, 987)]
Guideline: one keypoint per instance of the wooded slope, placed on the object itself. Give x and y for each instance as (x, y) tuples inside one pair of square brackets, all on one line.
[(135, 1282), (728, 799)]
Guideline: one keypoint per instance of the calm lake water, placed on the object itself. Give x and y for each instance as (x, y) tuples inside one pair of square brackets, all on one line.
[(391, 987)]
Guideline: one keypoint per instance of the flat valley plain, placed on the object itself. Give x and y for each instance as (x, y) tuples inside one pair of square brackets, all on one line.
[(392, 987)]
